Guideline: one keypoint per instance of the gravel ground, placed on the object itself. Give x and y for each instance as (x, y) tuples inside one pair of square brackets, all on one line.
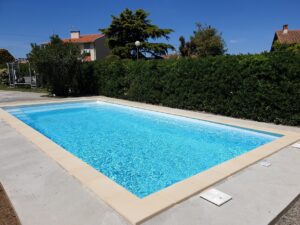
[(7, 214), (292, 216)]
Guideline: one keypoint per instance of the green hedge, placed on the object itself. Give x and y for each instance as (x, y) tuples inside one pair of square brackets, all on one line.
[(262, 87)]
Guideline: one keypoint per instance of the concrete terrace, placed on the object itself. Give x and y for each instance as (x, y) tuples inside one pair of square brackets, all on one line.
[(42, 192), (18, 96)]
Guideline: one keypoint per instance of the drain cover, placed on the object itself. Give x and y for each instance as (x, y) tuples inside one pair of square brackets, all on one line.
[(265, 163), (296, 145), (215, 196)]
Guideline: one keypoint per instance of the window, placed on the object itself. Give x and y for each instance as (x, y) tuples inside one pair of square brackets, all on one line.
[(87, 46)]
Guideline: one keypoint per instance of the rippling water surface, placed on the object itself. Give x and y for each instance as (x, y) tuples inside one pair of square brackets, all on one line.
[(141, 150)]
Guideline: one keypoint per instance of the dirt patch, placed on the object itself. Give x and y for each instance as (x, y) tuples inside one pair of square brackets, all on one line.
[(7, 213), (292, 215)]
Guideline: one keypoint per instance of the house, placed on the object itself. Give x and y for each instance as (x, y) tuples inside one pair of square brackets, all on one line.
[(286, 36), (92, 44)]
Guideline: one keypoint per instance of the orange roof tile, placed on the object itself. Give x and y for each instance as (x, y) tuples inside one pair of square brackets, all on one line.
[(291, 37), (87, 58), (84, 38)]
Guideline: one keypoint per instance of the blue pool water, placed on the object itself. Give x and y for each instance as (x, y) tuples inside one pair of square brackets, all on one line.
[(141, 150)]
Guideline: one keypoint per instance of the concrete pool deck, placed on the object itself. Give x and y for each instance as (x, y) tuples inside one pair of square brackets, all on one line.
[(19, 96), (173, 216)]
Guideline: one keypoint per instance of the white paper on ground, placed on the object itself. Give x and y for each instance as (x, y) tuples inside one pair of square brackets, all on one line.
[(215, 196)]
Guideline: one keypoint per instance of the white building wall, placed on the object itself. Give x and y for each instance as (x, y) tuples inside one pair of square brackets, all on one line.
[(97, 50), (93, 52)]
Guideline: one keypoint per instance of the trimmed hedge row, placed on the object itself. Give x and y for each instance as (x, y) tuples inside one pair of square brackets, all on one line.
[(262, 87)]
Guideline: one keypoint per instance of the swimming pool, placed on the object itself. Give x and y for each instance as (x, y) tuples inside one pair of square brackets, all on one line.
[(141, 150)]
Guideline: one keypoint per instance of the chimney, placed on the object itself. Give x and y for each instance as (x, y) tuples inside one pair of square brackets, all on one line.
[(285, 29), (75, 34)]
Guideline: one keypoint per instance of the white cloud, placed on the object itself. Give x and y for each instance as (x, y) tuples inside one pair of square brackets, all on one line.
[(233, 41), (236, 41)]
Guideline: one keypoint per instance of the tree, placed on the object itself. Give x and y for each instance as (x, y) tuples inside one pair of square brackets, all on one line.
[(5, 56), (58, 63), (129, 27), (206, 41)]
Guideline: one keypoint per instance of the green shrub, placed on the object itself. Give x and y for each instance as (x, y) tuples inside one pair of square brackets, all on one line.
[(4, 76), (59, 65), (85, 81), (262, 87)]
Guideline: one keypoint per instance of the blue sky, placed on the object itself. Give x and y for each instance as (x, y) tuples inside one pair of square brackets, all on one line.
[(247, 26)]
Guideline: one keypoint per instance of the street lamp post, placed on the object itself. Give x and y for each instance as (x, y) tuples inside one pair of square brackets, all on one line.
[(137, 44)]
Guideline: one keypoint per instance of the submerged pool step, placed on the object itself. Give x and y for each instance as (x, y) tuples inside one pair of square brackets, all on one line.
[(21, 116)]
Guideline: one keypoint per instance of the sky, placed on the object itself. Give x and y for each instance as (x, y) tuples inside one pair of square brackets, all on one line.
[(246, 26)]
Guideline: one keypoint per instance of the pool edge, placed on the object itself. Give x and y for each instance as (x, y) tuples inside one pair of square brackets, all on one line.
[(137, 210)]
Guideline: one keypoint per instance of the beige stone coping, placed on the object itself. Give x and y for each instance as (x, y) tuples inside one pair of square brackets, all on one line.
[(134, 209)]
